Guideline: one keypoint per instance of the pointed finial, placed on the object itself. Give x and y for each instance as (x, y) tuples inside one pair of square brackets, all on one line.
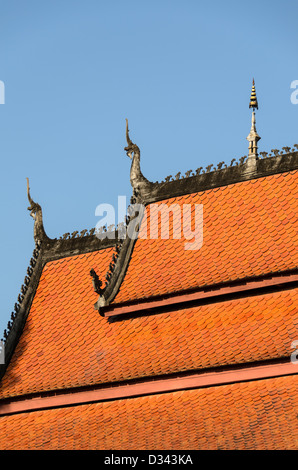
[(253, 136), (131, 148), (253, 97)]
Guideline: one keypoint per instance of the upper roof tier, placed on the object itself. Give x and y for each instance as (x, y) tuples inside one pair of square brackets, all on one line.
[(248, 229)]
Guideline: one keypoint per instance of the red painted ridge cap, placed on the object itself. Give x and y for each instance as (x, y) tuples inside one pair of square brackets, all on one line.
[(205, 293), (150, 387)]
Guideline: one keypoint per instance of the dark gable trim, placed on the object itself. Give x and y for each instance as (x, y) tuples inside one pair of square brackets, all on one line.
[(55, 249), (19, 316)]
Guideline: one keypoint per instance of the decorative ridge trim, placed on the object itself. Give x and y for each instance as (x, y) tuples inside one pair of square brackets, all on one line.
[(72, 245), (18, 317), (223, 165), (245, 169)]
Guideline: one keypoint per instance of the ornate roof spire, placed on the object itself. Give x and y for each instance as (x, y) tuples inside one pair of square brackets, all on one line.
[(253, 97), (253, 136)]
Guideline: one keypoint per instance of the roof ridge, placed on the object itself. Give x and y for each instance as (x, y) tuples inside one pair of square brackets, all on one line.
[(242, 170), (222, 165), (145, 191), (247, 167)]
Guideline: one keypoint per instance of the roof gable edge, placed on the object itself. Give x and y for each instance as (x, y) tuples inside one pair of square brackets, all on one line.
[(242, 171)]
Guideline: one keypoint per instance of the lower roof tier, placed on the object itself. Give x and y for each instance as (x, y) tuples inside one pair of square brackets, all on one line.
[(67, 344), (244, 416)]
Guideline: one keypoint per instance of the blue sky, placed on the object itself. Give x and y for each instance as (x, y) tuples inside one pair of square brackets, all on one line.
[(180, 71)]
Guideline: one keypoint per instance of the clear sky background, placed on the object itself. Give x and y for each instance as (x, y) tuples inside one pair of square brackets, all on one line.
[(179, 70)]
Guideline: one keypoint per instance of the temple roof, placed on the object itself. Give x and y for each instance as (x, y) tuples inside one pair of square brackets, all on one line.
[(157, 310), (249, 232)]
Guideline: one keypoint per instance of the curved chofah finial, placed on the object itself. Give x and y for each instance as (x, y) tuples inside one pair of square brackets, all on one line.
[(137, 179), (36, 214)]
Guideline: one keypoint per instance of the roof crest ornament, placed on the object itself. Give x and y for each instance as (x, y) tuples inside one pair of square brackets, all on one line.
[(137, 179), (36, 214)]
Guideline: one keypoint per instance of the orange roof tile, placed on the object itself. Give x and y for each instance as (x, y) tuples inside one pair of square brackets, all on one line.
[(243, 416), (249, 229), (66, 343)]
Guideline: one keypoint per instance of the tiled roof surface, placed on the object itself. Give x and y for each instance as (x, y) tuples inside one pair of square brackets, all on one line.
[(249, 415), (249, 229), (66, 343)]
